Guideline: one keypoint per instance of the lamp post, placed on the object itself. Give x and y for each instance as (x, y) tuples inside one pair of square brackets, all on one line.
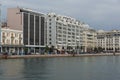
[(77, 46)]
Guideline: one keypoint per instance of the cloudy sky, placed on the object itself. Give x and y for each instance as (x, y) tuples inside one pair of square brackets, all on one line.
[(99, 14)]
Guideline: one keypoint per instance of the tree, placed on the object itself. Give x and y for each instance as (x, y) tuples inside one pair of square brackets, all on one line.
[(26, 50), (95, 49), (69, 47), (100, 49), (47, 49), (51, 49)]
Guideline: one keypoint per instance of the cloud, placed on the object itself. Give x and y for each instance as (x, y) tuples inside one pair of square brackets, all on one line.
[(97, 13)]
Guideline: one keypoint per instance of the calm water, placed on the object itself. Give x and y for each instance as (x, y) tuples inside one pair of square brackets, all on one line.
[(67, 68)]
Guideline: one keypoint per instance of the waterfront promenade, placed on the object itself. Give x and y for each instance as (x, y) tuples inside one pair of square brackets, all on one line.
[(57, 55)]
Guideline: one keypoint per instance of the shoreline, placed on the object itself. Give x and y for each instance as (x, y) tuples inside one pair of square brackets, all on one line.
[(56, 55)]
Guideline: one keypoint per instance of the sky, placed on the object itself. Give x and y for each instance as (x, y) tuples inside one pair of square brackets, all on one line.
[(99, 14)]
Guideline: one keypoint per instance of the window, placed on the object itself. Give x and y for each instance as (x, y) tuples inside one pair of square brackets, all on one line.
[(49, 23), (3, 41), (15, 35), (15, 41), (19, 35), (49, 19), (49, 16), (50, 35), (7, 34), (19, 41), (7, 41), (12, 35), (3, 34), (49, 42)]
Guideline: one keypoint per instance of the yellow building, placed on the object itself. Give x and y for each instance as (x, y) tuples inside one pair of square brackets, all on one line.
[(11, 41), (89, 40)]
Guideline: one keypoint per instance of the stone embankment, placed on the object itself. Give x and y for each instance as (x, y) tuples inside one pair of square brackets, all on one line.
[(56, 55)]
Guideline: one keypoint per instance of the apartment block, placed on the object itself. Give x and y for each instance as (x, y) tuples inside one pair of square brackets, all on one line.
[(63, 31), (109, 40)]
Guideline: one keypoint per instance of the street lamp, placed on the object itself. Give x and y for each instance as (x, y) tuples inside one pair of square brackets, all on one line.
[(77, 46)]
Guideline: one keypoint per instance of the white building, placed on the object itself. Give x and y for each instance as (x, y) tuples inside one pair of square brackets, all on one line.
[(11, 41), (63, 31), (109, 40), (0, 26)]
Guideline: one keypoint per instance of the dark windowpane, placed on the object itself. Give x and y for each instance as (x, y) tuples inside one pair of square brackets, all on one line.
[(37, 30), (42, 30), (31, 30), (25, 29)]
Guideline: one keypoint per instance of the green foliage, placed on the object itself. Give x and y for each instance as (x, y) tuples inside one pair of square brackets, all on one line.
[(25, 49), (99, 49), (47, 49), (69, 47)]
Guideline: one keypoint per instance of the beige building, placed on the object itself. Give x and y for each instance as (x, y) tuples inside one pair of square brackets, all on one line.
[(89, 40), (109, 40), (11, 41)]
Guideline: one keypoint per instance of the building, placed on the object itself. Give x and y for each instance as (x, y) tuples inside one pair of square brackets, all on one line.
[(11, 41), (89, 40), (109, 40), (0, 27), (40, 30), (32, 24), (63, 31)]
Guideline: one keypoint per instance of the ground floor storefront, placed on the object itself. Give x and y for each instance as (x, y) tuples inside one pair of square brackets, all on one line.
[(21, 49), (12, 49)]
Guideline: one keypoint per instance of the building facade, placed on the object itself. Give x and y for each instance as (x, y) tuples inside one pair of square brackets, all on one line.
[(63, 31), (0, 27), (32, 24), (12, 41), (109, 41), (89, 40), (40, 30)]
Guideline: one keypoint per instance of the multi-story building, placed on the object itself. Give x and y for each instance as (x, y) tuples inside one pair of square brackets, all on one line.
[(63, 31), (55, 30), (11, 41), (0, 27), (89, 40), (109, 40), (32, 24)]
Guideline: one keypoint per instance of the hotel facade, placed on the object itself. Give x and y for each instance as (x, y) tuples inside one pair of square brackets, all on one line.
[(32, 24), (109, 41)]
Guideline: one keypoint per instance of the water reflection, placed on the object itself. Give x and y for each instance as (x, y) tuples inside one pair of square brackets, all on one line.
[(67, 68), (11, 69)]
